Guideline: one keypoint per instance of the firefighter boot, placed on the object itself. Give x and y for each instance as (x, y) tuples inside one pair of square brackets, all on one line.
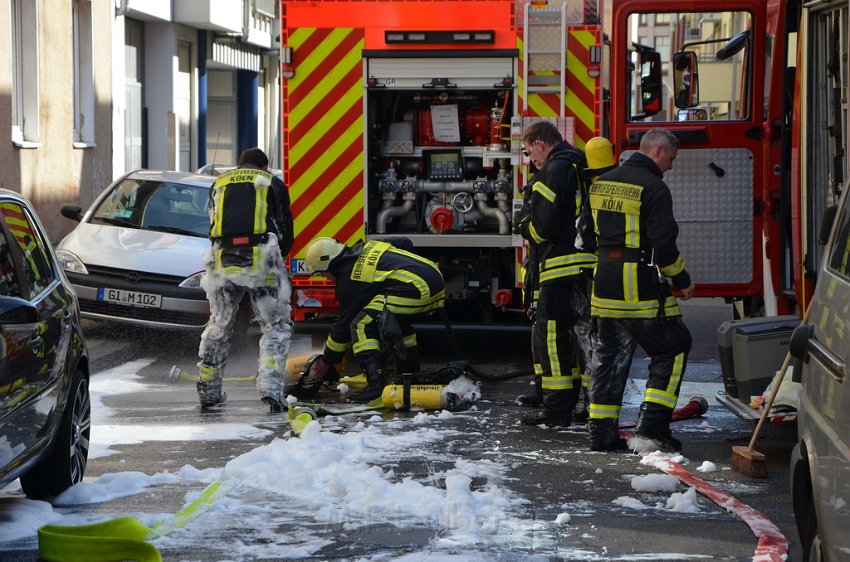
[(535, 399), (209, 387), (274, 400), (654, 425), (374, 383), (605, 435), (556, 411)]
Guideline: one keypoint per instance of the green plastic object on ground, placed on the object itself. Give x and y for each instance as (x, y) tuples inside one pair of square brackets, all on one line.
[(123, 538)]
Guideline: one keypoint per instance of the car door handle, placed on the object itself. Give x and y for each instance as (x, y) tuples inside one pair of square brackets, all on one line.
[(37, 344), (834, 365)]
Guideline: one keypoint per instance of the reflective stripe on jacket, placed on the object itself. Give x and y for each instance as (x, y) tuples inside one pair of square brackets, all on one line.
[(632, 208), (375, 275), (554, 205)]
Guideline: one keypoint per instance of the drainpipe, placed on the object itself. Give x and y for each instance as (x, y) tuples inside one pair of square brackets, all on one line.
[(246, 20)]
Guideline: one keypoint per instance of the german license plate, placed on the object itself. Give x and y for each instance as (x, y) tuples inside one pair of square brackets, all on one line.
[(129, 298)]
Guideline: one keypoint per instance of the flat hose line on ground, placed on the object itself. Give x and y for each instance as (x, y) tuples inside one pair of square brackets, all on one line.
[(472, 370), (772, 545)]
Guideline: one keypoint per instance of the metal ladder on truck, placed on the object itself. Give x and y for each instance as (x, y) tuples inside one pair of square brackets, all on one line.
[(545, 52)]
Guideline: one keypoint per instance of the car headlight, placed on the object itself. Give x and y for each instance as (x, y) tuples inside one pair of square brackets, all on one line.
[(192, 282), (70, 262)]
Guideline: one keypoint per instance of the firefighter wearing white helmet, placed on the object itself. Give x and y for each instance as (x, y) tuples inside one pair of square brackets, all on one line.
[(320, 253), (374, 280)]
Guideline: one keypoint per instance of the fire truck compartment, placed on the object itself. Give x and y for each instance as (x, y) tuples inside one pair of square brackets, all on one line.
[(439, 165)]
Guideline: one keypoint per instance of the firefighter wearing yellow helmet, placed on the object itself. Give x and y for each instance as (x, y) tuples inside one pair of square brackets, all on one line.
[(250, 232), (599, 153), (374, 280)]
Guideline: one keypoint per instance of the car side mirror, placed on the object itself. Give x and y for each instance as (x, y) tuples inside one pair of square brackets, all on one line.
[(650, 82), (73, 212), (799, 345), (799, 349), (17, 315), (685, 79)]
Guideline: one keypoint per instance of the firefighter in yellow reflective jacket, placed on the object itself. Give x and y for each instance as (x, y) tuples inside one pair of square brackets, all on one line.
[(250, 231), (632, 302), (560, 264), (372, 278)]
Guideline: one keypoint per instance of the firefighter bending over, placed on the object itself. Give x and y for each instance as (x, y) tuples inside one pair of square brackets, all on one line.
[(632, 302), (558, 272), (373, 278), (250, 232)]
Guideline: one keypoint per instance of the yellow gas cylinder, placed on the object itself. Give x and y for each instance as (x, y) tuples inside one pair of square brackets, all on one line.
[(422, 396), (295, 365)]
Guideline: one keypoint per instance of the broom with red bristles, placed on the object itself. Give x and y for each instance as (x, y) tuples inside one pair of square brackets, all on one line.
[(746, 460)]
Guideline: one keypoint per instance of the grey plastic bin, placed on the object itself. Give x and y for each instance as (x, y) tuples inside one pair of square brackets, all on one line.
[(751, 351)]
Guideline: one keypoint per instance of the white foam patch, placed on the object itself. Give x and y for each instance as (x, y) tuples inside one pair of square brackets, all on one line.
[(123, 379)]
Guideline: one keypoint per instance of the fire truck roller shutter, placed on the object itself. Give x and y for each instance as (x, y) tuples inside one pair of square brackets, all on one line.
[(480, 73)]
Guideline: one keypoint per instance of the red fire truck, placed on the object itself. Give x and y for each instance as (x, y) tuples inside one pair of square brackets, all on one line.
[(404, 118)]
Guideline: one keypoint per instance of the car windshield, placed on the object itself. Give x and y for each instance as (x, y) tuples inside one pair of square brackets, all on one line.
[(156, 205)]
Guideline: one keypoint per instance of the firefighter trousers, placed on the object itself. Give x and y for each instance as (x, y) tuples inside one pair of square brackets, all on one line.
[(367, 333), (272, 310), (666, 342), (561, 327)]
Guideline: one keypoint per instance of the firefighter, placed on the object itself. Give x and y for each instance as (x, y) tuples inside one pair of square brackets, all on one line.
[(632, 302), (375, 282), (250, 232), (559, 268)]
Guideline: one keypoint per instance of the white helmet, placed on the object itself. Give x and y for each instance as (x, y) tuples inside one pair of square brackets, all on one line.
[(320, 254)]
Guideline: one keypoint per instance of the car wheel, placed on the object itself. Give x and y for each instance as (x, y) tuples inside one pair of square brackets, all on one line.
[(65, 464), (812, 539)]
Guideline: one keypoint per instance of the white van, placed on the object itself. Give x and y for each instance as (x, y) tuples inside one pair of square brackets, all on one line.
[(820, 463)]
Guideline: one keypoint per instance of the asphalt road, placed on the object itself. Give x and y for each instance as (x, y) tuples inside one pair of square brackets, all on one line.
[(550, 468)]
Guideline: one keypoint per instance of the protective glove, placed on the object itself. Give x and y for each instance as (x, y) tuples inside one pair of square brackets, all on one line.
[(318, 370)]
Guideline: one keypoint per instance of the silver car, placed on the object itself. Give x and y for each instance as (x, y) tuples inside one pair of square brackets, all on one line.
[(137, 254), (820, 463)]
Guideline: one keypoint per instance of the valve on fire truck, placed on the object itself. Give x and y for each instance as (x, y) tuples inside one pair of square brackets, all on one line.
[(389, 184), (441, 219), (503, 298)]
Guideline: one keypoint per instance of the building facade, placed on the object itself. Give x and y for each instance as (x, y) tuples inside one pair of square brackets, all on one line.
[(90, 89)]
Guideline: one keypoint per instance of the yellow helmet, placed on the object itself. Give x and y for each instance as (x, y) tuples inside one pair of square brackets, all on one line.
[(320, 253), (600, 155)]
